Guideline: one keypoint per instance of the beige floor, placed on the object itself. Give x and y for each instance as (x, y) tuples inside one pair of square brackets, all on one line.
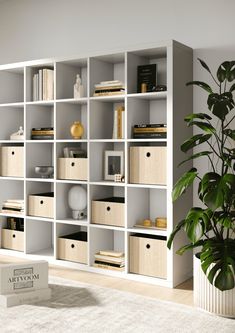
[(182, 294)]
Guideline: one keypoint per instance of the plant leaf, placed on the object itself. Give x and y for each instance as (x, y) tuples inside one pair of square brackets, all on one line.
[(230, 133), (194, 141), (197, 155), (193, 116), (201, 84), (196, 223), (174, 232), (204, 65), (208, 128), (191, 246), (232, 88), (183, 183), (220, 104)]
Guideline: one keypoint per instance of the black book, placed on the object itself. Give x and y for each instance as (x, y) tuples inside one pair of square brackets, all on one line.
[(42, 137), (149, 135), (149, 125), (147, 74)]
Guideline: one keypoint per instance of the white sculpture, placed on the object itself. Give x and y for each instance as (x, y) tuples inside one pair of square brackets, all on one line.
[(78, 90), (18, 135), (77, 200)]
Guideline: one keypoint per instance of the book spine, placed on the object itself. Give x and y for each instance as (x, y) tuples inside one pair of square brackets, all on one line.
[(115, 120), (123, 124), (150, 130), (119, 123), (50, 84), (149, 125), (40, 84), (149, 135)]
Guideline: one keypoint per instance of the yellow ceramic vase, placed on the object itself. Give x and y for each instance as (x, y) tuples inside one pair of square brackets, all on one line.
[(77, 130)]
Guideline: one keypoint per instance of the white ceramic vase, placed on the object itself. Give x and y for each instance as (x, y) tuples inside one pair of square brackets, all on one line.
[(209, 298)]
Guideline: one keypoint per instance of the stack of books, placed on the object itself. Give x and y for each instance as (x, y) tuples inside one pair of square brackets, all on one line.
[(42, 133), (13, 206), (110, 260), (15, 223), (149, 131), (118, 123), (109, 88), (43, 85)]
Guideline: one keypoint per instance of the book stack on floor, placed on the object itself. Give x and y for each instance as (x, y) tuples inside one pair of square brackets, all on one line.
[(119, 123), (13, 206), (42, 133), (113, 260), (43, 85), (150, 131), (109, 88)]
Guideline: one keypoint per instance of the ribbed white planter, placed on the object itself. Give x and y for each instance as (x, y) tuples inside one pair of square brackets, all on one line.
[(209, 298)]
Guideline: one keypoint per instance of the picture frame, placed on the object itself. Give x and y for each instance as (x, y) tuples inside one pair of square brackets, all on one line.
[(113, 164)]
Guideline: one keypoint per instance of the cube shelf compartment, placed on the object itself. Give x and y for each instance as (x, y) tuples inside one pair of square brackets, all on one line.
[(143, 193)]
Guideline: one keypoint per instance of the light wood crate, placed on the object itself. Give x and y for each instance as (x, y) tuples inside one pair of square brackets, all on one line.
[(72, 168), (12, 161), (41, 205), (13, 239)]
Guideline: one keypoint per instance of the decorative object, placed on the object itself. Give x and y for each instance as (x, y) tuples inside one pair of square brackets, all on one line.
[(160, 87), (77, 200), (146, 78), (113, 164), (161, 222), (211, 228), (72, 152), (147, 223), (21, 283), (77, 130), (19, 135), (44, 171), (118, 177), (78, 89)]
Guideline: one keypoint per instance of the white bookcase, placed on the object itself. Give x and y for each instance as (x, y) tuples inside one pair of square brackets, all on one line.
[(17, 108)]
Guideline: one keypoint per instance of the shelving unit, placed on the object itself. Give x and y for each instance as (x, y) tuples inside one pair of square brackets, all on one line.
[(17, 108)]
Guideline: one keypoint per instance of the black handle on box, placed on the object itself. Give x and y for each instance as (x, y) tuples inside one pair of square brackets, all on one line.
[(72, 164), (148, 246), (41, 202), (72, 246), (148, 154), (14, 236), (12, 153), (108, 208)]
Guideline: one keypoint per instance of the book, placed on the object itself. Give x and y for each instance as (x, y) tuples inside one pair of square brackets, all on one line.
[(100, 257), (149, 125), (40, 83), (108, 93), (111, 253), (146, 74), (108, 267), (50, 84), (118, 123), (154, 135), (42, 137), (150, 130)]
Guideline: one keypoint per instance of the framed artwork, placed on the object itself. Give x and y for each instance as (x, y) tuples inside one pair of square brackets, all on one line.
[(113, 164)]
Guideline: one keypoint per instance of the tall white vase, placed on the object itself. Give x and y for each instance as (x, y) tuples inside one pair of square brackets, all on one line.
[(209, 298)]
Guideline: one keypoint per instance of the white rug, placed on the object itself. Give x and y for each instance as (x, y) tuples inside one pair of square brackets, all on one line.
[(83, 308)]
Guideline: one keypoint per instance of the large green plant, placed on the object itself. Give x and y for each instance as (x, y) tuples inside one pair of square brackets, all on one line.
[(211, 228)]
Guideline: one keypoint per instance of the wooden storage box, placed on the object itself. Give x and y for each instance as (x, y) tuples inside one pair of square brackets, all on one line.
[(13, 239), (110, 211), (12, 161), (72, 168), (148, 165), (73, 247), (41, 205), (148, 255)]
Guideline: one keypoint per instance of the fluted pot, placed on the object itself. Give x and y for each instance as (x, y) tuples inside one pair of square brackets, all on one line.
[(209, 298)]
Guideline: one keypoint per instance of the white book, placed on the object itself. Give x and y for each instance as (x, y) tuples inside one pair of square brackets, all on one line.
[(123, 124), (50, 84), (44, 84), (40, 83), (34, 87), (115, 124)]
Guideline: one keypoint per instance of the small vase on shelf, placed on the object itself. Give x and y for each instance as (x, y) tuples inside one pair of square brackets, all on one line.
[(77, 130), (78, 90)]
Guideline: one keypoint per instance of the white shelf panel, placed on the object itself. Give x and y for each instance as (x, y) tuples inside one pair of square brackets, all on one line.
[(12, 105), (150, 95), (73, 222), (73, 101), (146, 140), (160, 187), (107, 140), (67, 181), (148, 231), (36, 218), (46, 180), (11, 178), (12, 215), (45, 253), (118, 98), (46, 103), (109, 227), (12, 141), (107, 183), (39, 141)]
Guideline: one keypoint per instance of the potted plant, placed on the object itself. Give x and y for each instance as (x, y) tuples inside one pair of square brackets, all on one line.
[(211, 227)]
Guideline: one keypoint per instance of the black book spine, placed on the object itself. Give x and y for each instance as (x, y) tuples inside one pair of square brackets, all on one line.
[(150, 135), (149, 125)]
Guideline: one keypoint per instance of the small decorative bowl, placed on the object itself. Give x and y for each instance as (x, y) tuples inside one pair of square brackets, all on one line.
[(44, 171)]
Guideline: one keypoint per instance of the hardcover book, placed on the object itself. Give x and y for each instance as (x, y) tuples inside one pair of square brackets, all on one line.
[(147, 74)]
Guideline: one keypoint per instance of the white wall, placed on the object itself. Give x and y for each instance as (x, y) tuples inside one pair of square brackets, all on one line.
[(33, 29)]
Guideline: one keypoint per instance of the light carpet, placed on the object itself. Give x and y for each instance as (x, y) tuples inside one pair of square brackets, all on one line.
[(83, 308)]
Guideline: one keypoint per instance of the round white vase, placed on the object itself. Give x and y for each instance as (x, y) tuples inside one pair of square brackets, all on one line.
[(209, 298)]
